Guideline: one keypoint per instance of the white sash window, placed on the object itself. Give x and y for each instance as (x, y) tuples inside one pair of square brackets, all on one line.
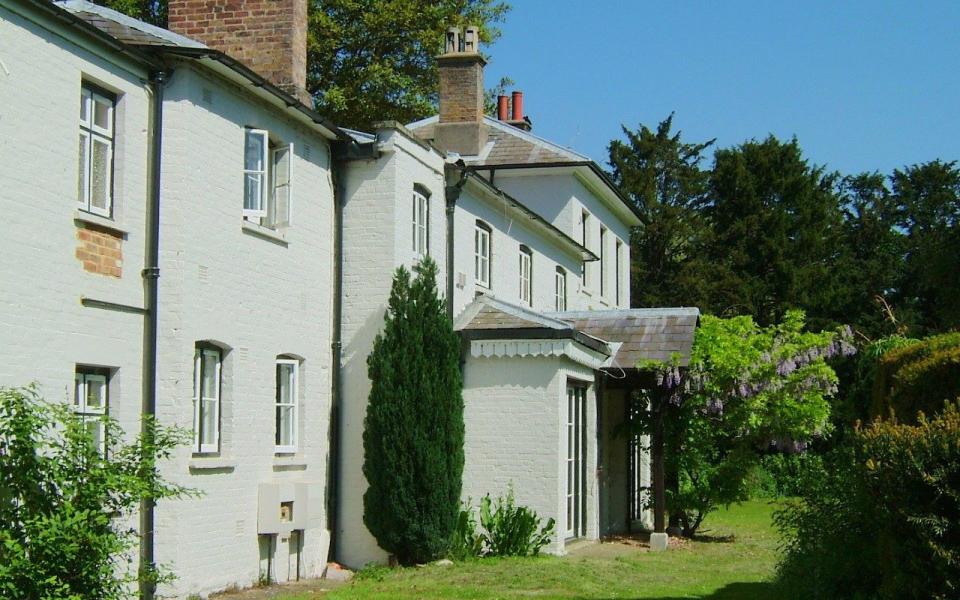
[(206, 400), (287, 404), (95, 164)]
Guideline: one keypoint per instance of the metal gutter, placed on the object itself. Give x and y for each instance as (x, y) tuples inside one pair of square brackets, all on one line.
[(585, 254)]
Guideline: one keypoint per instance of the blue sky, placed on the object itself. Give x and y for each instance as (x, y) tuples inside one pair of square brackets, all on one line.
[(863, 85)]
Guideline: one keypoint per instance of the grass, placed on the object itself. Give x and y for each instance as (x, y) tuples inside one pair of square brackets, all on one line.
[(733, 559)]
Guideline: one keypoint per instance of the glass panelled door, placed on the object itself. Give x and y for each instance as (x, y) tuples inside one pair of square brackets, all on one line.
[(576, 459)]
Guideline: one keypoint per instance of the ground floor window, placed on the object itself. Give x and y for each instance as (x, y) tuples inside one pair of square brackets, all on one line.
[(90, 398), (636, 486), (576, 459)]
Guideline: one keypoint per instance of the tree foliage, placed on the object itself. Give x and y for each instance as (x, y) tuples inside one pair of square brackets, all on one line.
[(65, 508), (374, 60), (746, 386), (664, 179), (414, 432)]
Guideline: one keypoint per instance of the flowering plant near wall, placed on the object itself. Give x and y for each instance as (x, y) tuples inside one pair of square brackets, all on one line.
[(745, 386)]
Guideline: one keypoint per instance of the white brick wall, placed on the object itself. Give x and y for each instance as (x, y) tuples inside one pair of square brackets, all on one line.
[(258, 299), (377, 230), (561, 199), (508, 233), (515, 411)]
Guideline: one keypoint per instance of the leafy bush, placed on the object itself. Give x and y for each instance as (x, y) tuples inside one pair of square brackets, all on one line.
[(918, 377), (883, 519), (792, 473), (65, 508), (759, 483), (511, 530), (466, 542), (413, 431)]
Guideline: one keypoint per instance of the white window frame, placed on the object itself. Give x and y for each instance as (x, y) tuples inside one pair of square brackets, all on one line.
[(575, 497), (586, 271), (294, 405), (93, 133), (526, 275), (560, 289), (84, 377), (618, 273), (199, 400), (481, 253), (603, 262), (281, 186), (421, 225), (260, 209)]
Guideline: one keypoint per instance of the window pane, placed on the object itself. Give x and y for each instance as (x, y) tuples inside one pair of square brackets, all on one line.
[(252, 191), (209, 383), (84, 105), (253, 152), (96, 390), (285, 425), (285, 378), (94, 428), (209, 419), (82, 171), (77, 388), (101, 113), (100, 175)]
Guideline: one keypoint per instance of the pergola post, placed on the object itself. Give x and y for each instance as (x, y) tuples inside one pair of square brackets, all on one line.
[(658, 539)]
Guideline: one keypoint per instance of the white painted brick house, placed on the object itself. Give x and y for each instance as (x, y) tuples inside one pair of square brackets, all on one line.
[(275, 235)]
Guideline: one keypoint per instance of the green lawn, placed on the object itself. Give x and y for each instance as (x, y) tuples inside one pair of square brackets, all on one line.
[(734, 559)]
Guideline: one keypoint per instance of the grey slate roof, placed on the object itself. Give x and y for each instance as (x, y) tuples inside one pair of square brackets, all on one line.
[(124, 28), (645, 333), (507, 145), (630, 335)]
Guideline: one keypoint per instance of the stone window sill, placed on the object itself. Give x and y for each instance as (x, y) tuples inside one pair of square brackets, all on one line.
[(265, 232), (213, 463), (102, 222)]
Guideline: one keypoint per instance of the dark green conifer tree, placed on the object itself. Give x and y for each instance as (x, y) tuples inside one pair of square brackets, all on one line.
[(413, 431)]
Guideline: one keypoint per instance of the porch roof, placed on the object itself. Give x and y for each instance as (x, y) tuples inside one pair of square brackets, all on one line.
[(643, 333)]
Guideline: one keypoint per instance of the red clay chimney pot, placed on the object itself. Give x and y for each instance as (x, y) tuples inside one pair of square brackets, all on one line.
[(518, 106), (503, 108)]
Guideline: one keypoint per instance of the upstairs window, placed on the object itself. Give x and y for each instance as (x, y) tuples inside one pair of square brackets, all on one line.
[(207, 362), (603, 261), (585, 240), (421, 222), (95, 176), (526, 277), (90, 400), (617, 272), (481, 251), (560, 289), (267, 179), (288, 377)]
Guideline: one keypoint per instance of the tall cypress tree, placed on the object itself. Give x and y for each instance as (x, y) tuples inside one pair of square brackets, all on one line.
[(413, 431)]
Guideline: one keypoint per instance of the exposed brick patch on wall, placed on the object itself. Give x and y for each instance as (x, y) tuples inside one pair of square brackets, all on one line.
[(269, 36), (100, 250)]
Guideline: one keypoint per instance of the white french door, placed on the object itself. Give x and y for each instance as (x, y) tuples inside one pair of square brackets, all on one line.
[(576, 460)]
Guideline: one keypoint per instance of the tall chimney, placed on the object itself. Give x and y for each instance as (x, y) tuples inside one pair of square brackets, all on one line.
[(503, 108), (269, 36), (461, 128)]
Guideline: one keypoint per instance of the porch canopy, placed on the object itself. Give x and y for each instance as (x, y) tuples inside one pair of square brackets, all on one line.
[(613, 342)]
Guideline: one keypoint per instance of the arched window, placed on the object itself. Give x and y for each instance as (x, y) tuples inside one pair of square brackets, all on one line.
[(560, 289), (421, 221), (287, 404), (482, 253), (207, 374), (526, 275)]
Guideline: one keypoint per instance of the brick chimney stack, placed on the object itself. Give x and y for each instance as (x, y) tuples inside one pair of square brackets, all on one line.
[(461, 128), (269, 36)]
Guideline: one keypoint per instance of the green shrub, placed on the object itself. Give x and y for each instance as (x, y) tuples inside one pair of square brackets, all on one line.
[(883, 520), (413, 431), (65, 509), (466, 542), (759, 483), (919, 377), (511, 530)]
